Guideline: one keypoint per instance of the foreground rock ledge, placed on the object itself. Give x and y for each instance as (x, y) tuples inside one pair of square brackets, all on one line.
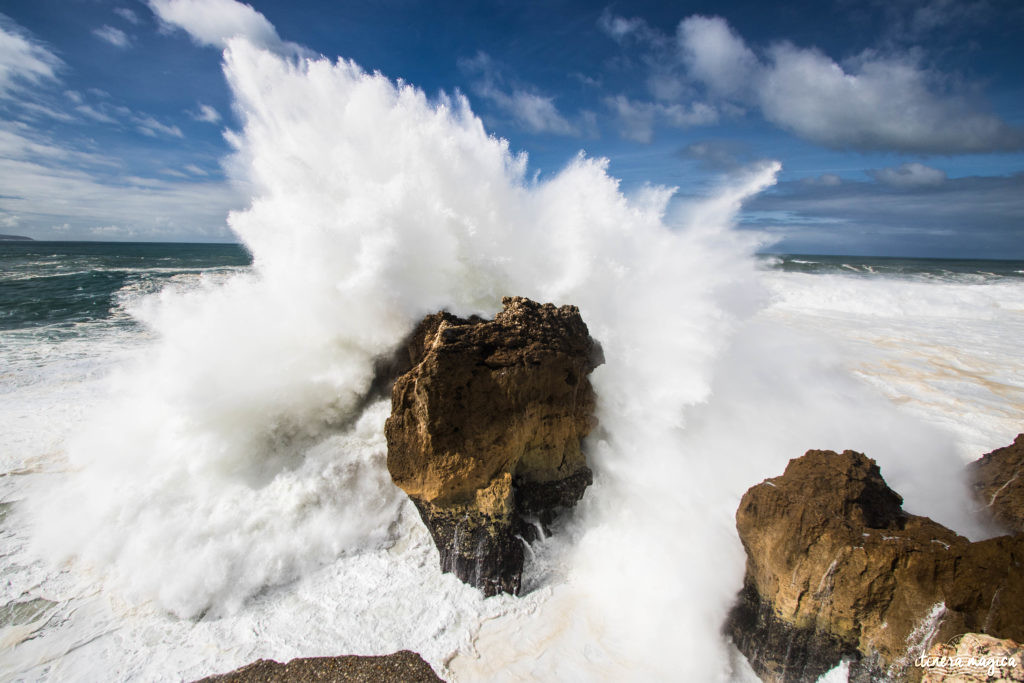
[(401, 667), (485, 431), (836, 569)]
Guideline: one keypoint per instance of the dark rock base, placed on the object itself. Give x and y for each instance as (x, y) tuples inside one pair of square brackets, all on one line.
[(779, 651), (485, 550)]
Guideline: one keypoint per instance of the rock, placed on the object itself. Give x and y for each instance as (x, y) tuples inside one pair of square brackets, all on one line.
[(973, 657), (998, 482), (837, 570), (485, 431), (400, 667)]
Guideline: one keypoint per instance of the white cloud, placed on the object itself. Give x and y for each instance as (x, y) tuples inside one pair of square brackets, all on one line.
[(909, 175), (714, 54), (34, 109), (127, 14), (638, 119), (205, 113), (529, 110), (621, 28), (55, 190), (215, 22), (91, 112), (114, 36), (23, 61), (533, 112), (147, 125), (195, 170), (874, 103), (879, 104), (871, 102)]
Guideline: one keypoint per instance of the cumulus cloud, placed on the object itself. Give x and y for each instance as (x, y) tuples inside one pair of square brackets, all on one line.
[(909, 175), (23, 60), (874, 101), (878, 104), (714, 54), (114, 36), (214, 22)]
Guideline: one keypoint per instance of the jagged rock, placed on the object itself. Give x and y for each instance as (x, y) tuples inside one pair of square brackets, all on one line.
[(401, 667), (485, 431), (998, 482), (837, 570), (973, 658)]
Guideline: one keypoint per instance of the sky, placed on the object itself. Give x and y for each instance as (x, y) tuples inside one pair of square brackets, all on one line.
[(899, 124)]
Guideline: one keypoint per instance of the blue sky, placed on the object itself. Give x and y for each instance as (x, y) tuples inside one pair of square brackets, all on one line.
[(899, 125)]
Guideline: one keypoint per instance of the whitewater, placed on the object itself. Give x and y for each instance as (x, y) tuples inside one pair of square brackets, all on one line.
[(195, 481)]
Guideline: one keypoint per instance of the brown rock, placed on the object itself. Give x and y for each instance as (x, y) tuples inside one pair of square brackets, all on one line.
[(836, 569), (400, 667), (973, 658), (998, 482), (485, 432)]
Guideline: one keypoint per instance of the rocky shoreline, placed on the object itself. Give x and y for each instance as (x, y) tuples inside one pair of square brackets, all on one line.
[(837, 571), (485, 437)]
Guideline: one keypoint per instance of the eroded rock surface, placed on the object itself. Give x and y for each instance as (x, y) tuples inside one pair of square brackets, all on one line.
[(401, 667), (998, 482), (485, 432), (836, 569)]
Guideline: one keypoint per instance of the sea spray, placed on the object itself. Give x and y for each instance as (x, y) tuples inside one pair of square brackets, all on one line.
[(232, 458)]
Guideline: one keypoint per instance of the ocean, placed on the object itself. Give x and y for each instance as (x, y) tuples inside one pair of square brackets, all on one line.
[(184, 488)]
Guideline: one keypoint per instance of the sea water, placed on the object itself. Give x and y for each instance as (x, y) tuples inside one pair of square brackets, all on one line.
[(191, 479)]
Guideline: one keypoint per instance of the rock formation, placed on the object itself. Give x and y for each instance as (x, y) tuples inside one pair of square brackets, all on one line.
[(998, 482), (400, 667), (485, 430), (836, 569), (973, 658)]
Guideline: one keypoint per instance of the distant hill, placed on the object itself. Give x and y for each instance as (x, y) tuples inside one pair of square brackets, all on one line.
[(16, 237)]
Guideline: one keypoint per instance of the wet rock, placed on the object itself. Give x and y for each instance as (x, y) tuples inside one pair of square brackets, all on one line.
[(973, 658), (401, 667), (485, 432), (837, 570), (998, 482)]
